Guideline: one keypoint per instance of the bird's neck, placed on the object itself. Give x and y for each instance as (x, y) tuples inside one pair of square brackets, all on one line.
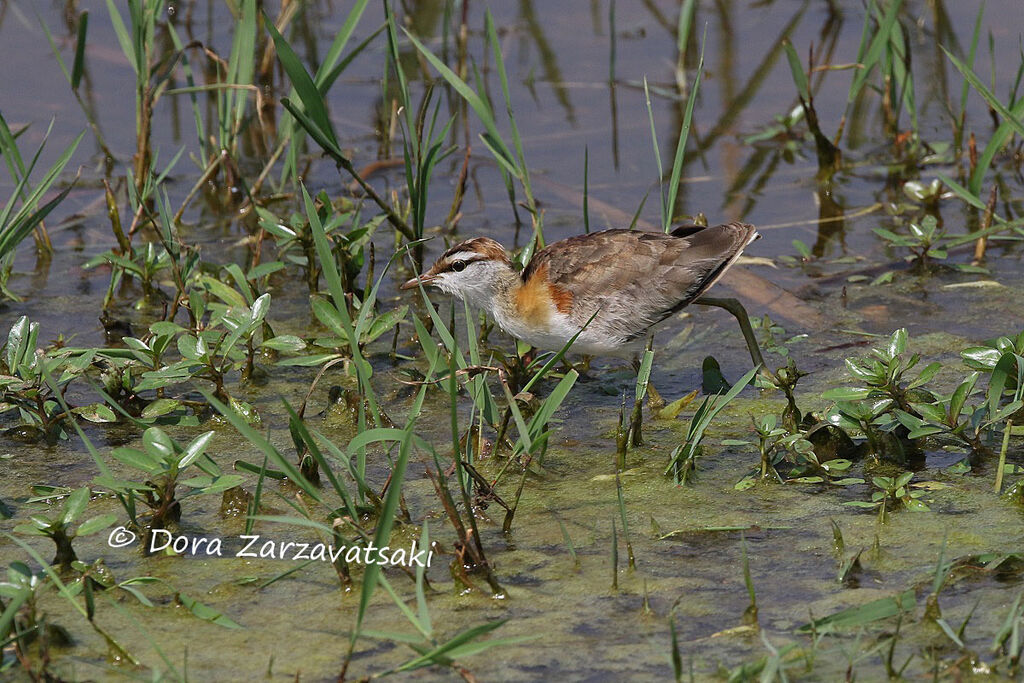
[(496, 292)]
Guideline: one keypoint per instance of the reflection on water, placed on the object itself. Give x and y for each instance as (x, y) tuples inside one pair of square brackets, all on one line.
[(574, 85)]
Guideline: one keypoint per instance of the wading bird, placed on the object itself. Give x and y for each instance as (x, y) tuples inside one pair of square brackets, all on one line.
[(614, 285)]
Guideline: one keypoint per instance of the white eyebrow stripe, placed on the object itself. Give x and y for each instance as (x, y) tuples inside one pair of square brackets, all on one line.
[(465, 256)]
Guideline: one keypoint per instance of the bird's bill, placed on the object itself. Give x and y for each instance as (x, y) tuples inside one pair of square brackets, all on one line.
[(424, 279)]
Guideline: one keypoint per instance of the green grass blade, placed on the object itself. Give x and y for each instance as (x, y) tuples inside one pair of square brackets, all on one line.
[(665, 220), (856, 617), (499, 61), (299, 426), (1012, 122), (10, 152), (310, 96), (875, 49), (78, 66), (553, 401), (241, 66), (21, 227), (684, 132), (433, 655), (123, 37), (319, 136), (643, 376), (683, 27), (493, 139), (799, 75), (328, 71), (558, 356), (387, 515), (268, 449), (970, 60)]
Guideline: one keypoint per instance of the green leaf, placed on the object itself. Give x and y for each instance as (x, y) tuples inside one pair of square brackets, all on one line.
[(75, 505), (209, 484), (925, 375), (192, 348), (78, 66), (156, 442), (224, 291), (926, 430), (681, 139), (870, 57), (205, 612), (492, 139), (846, 394), (160, 407), (1006, 411), (256, 439), (309, 361), (328, 314), (97, 412), (91, 526), (259, 309), (959, 467), (194, 450), (433, 656), (797, 69), (35, 528), (314, 109), (643, 377), (863, 373), (1005, 368), (931, 412), (856, 617), (284, 342), (383, 323), (257, 469), (1011, 120), (959, 397), (140, 460), (897, 343)]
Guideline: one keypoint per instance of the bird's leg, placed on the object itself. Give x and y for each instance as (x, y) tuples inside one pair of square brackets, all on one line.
[(740, 313)]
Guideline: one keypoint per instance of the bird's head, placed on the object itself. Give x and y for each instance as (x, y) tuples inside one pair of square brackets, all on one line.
[(471, 270)]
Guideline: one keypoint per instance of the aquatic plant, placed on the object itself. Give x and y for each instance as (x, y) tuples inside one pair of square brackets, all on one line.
[(924, 242), (683, 459), (59, 528), (163, 461), (347, 232), (25, 387), (892, 407), (16, 225), (892, 491), (441, 420)]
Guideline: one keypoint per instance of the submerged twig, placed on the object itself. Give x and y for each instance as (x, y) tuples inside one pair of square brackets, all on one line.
[(986, 222)]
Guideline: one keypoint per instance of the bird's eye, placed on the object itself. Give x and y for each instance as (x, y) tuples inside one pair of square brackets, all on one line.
[(459, 266)]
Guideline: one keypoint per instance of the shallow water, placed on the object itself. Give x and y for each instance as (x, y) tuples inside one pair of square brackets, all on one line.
[(687, 568)]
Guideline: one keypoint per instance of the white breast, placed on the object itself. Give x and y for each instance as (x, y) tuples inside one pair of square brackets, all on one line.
[(559, 330)]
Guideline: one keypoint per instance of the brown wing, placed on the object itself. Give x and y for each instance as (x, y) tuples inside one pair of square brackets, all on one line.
[(638, 278)]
